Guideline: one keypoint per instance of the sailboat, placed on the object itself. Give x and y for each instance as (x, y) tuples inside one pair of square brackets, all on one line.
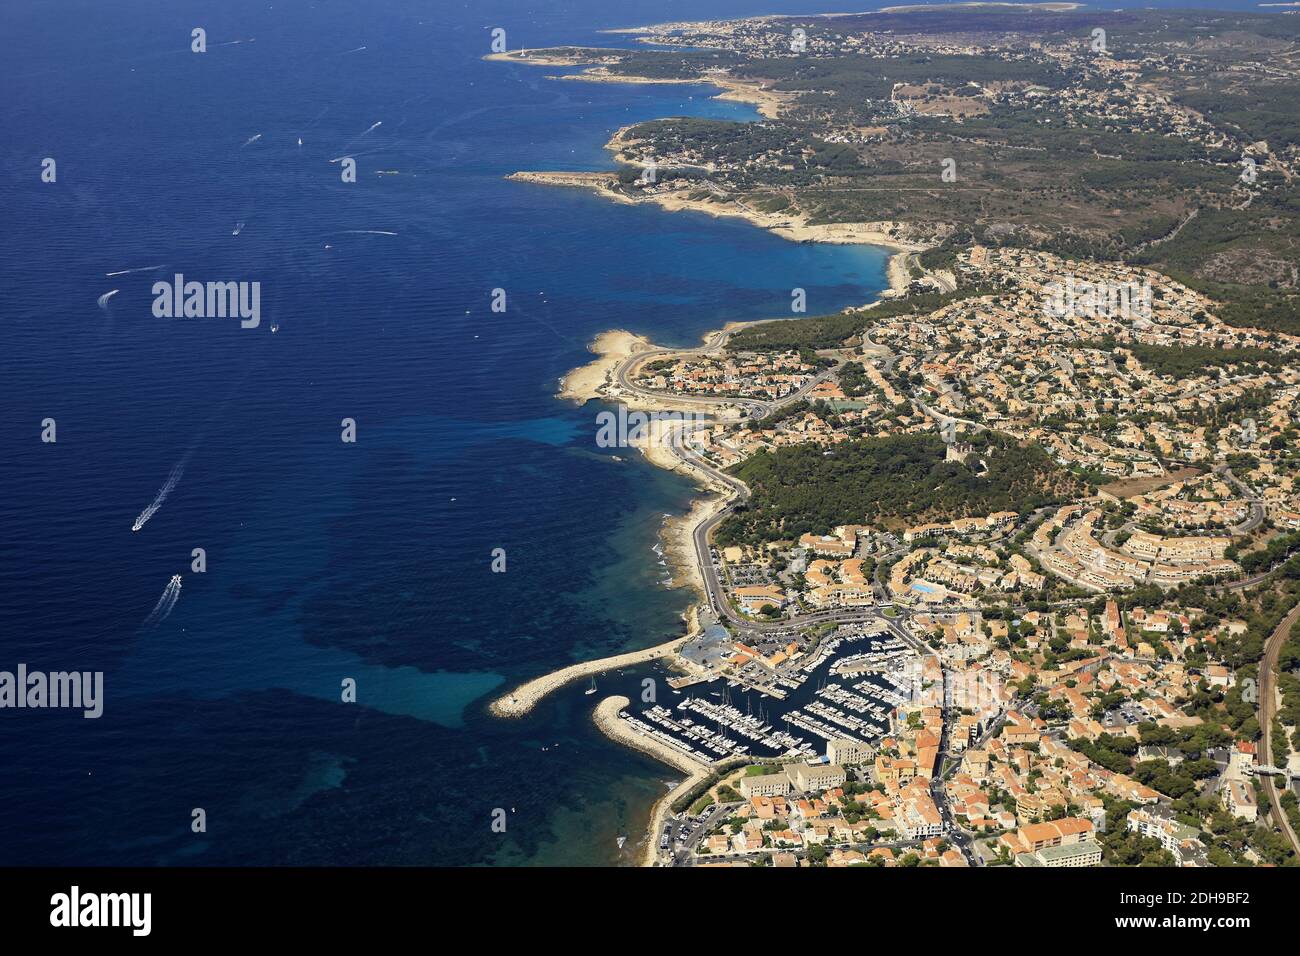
[(592, 689)]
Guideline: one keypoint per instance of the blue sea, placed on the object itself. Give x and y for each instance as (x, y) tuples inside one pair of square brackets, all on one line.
[(325, 560)]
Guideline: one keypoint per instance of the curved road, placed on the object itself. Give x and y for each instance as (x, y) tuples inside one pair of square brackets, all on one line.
[(715, 343), (713, 586), (739, 492)]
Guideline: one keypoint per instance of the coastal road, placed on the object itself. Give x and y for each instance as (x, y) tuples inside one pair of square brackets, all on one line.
[(715, 343), (709, 572), (754, 407), (703, 550), (1267, 711), (738, 492), (713, 585)]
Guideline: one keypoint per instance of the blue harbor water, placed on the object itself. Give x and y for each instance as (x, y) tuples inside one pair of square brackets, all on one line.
[(329, 560)]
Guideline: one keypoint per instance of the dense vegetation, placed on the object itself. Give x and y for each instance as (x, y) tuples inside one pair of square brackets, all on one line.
[(1263, 558), (1182, 361), (806, 488), (1288, 683), (833, 331)]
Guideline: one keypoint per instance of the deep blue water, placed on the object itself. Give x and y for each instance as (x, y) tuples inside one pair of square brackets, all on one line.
[(329, 560)]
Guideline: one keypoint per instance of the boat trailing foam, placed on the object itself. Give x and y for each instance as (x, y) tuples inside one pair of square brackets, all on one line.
[(123, 272), (163, 492), (171, 594)]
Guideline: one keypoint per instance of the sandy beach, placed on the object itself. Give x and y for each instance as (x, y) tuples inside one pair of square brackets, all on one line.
[(536, 58), (599, 74), (595, 380), (897, 271), (678, 532), (586, 382), (769, 103)]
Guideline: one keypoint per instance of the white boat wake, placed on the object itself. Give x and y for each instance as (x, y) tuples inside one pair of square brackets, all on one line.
[(123, 272), (171, 594), (163, 492), (251, 140), (348, 145), (102, 301)]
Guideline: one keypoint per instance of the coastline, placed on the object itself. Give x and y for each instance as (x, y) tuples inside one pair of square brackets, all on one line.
[(769, 103), (520, 701), (678, 531), (585, 382), (794, 228), (607, 719), (766, 101), (597, 380), (883, 234)]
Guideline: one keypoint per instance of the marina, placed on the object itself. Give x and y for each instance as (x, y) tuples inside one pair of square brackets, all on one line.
[(844, 687)]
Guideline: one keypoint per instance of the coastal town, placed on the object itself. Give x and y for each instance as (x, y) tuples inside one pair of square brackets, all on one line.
[(1003, 568), (1067, 683)]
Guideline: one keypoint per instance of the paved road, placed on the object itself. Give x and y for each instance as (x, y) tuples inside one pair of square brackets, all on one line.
[(1267, 710), (942, 420), (713, 344), (1256, 516), (722, 608), (677, 444), (683, 852)]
